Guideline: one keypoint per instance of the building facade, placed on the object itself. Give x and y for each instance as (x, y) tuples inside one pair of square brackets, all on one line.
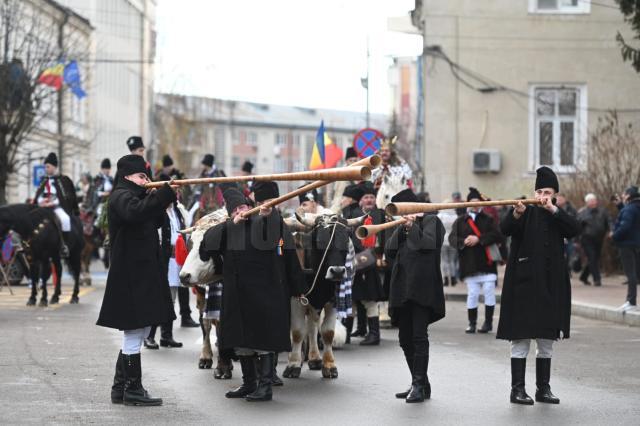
[(275, 138), (124, 40), (63, 121), (512, 85)]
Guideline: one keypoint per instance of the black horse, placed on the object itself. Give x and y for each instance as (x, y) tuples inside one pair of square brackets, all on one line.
[(41, 241)]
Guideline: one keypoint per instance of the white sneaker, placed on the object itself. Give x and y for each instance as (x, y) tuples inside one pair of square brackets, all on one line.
[(626, 307)]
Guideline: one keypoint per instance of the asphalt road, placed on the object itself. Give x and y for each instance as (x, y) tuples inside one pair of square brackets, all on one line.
[(56, 367)]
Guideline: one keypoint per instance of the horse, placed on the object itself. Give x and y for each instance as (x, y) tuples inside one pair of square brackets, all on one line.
[(41, 241)]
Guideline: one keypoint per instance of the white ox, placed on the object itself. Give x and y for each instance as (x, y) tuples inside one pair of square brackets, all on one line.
[(195, 272), (305, 321)]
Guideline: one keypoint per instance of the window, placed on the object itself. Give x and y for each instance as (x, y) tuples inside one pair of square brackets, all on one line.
[(219, 151), (252, 139), (559, 6), (558, 126), (280, 165), (281, 140), (235, 162)]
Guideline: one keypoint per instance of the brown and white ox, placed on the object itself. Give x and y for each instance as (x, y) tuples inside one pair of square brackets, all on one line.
[(197, 273), (325, 245)]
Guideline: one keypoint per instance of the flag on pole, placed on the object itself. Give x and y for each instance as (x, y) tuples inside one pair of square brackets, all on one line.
[(52, 76), (72, 79), (325, 154)]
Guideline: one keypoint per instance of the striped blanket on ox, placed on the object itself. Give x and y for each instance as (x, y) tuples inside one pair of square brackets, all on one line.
[(344, 301)]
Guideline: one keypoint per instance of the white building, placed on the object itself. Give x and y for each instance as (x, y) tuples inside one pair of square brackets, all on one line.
[(122, 89)]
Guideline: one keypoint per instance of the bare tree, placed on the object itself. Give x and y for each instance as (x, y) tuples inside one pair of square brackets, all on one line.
[(31, 40), (610, 165)]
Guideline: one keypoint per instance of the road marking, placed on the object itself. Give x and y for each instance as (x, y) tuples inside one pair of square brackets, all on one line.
[(18, 301)]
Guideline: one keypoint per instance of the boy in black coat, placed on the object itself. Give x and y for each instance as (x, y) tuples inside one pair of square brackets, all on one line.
[(536, 297), (416, 297), (137, 292), (473, 234)]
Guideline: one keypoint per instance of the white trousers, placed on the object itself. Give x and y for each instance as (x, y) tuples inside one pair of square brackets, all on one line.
[(520, 348), (372, 308), (65, 220), (485, 284), (132, 340)]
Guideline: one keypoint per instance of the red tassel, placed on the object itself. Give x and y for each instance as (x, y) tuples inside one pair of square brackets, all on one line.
[(369, 242), (181, 250)]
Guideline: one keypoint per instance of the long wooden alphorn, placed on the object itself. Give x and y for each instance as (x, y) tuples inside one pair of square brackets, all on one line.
[(329, 175), (365, 231), (370, 162), (401, 209)]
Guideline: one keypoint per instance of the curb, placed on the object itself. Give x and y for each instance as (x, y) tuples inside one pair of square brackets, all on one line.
[(580, 309)]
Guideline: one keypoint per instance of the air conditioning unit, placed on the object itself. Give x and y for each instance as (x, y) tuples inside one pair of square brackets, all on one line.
[(486, 161)]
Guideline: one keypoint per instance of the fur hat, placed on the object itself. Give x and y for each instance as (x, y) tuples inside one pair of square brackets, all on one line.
[(474, 194), (265, 191), (309, 196), (247, 167), (135, 142), (367, 188), (52, 159), (632, 191), (353, 191), (232, 199), (405, 196), (167, 161), (546, 178), (351, 153), (208, 160), (131, 164), (105, 164)]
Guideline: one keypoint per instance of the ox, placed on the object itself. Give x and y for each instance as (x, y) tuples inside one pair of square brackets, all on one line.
[(325, 251), (201, 274)]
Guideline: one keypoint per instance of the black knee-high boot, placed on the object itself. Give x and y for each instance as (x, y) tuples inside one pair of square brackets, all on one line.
[(249, 378), (518, 392), (473, 319), (418, 392), (150, 340), (117, 390), (348, 324), (265, 378), (543, 375), (134, 392), (276, 381), (409, 358), (487, 326), (361, 324)]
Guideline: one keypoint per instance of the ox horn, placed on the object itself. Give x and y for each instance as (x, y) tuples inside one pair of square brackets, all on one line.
[(356, 221), (295, 224)]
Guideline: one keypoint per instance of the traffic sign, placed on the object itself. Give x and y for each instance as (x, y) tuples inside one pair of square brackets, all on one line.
[(367, 142), (38, 174)]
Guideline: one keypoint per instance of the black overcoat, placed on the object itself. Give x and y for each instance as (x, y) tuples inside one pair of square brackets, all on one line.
[(137, 293), (367, 283), (473, 260), (536, 295), (261, 273), (416, 275)]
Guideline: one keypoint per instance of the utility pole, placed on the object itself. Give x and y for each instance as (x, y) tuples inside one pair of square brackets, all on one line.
[(365, 81), (60, 95)]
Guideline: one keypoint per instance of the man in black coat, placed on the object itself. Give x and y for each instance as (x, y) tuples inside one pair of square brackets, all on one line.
[(536, 296), (473, 234), (416, 297), (58, 193), (261, 272), (137, 293), (367, 285)]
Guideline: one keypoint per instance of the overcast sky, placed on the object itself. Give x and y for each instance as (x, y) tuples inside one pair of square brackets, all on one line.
[(290, 52)]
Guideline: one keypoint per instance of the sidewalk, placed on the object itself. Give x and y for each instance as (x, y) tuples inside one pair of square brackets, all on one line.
[(600, 303)]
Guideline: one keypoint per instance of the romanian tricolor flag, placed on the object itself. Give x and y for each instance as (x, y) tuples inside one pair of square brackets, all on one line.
[(52, 76), (325, 154)]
